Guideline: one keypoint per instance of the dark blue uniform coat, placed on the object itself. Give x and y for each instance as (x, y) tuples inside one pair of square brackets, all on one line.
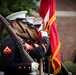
[(11, 57)]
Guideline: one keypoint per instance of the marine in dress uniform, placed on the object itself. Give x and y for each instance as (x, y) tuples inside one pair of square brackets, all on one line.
[(38, 25), (11, 57)]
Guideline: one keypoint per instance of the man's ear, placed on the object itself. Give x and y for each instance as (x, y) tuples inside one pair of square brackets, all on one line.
[(15, 24)]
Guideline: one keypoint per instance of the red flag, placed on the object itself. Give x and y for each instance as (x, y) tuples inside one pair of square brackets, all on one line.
[(48, 14)]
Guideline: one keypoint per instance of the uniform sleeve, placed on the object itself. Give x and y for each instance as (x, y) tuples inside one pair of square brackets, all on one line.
[(8, 49), (39, 52)]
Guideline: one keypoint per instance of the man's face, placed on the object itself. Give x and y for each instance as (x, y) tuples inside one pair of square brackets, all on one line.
[(30, 30), (34, 34)]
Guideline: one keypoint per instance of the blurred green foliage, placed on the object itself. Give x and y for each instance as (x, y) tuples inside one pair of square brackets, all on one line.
[(9, 6), (71, 67)]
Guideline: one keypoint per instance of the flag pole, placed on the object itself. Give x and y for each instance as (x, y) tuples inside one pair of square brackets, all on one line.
[(41, 66)]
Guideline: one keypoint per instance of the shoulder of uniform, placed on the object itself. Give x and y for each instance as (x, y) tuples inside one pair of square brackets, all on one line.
[(8, 39)]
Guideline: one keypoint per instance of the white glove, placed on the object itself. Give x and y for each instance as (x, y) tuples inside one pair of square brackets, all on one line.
[(34, 66), (44, 33)]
